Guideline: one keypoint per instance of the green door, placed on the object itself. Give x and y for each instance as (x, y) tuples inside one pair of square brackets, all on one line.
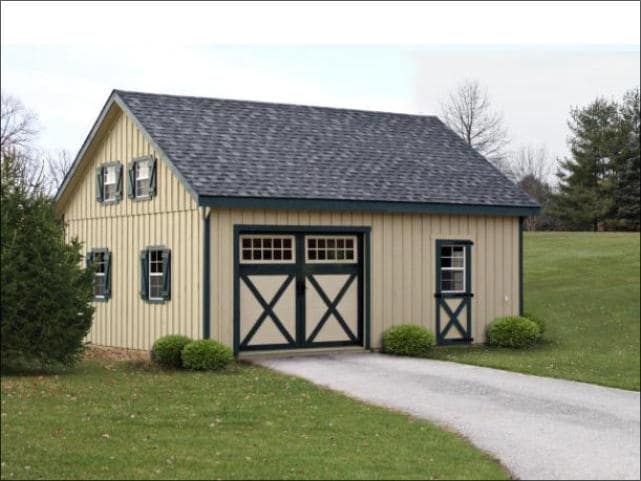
[(453, 291)]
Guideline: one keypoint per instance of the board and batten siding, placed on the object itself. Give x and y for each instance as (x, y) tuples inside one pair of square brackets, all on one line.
[(171, 219), (403, 253)]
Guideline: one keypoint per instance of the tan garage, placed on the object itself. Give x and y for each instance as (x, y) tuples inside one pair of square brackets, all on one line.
[(271, 226)]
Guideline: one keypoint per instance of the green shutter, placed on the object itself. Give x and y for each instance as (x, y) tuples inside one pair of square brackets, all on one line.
[(166, 274), (152, 177), (144, 274), (119, 182), (107, 260), (131, 187), (99, 184), (89, 259)]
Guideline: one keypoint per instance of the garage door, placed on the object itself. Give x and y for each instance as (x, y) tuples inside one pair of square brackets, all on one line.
[(298, 290)]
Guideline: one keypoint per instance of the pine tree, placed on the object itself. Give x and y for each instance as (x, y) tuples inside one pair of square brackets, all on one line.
[(586, 180), (627, 193), (46, 293)]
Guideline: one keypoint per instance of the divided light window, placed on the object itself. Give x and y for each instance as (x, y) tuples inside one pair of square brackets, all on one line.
[(155, 274), (266, 249), (453, 269), (331, 249), (142, 178), (109, 183), (110, 189), (100, 261)]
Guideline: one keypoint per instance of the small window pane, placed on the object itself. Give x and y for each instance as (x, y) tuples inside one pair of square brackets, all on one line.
[(349, 243), (287, 243), (311, 254), (257, 243), (278, 243), (311, 243), (267, 254), (331, 255), (155, 287), (258, 255), (278, 255), (247, 254), (247, 243), (349, 255), (287, 255)]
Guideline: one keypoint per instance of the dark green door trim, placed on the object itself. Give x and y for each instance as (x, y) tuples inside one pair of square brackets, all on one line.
[(206, 277), (301, 271), (464, 298), (521, 229)]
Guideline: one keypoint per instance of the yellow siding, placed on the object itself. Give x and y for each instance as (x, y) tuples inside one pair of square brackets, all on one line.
[(171, 219), (402, 264)]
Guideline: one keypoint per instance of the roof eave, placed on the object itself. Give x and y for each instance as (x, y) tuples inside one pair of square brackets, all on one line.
[(366, 206)]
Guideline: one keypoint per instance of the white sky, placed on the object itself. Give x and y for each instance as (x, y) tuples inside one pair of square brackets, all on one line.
[(536, 59)]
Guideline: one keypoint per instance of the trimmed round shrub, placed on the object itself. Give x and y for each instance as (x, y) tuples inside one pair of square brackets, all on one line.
[(536, 320), (408, 340), (206, 355), (513, 332), (167, 351)]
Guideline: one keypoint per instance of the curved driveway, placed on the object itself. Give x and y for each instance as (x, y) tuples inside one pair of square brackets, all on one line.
[(540, 428)]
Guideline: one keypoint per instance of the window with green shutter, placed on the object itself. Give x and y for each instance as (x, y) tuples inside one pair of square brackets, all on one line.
[(100, 261), (142, 178), (155, 274), (109, 183)]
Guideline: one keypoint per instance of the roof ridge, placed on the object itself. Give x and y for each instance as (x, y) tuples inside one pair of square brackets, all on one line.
[(279, 104)]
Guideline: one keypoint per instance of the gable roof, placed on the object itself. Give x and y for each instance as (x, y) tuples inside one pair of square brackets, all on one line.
[(230, 151)]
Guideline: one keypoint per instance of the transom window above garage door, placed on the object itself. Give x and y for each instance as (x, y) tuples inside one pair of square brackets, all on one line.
[(331, 249), (267, 249)]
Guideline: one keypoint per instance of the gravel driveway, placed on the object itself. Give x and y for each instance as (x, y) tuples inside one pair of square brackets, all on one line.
[(540, 428)]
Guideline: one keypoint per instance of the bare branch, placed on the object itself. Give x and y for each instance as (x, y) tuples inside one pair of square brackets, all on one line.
[(468, 112)]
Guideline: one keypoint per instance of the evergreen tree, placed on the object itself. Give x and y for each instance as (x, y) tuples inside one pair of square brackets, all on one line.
[(45, 303), (628, 180), (586, 180)]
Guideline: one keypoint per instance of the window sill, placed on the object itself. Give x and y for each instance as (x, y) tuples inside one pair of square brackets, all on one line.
[(156, 301), (100, 299), (142, 198)]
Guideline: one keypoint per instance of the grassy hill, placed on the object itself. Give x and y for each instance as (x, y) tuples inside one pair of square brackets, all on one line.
[(586, 286)]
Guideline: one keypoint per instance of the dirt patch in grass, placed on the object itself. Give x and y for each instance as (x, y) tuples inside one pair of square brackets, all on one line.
[(116, 354)]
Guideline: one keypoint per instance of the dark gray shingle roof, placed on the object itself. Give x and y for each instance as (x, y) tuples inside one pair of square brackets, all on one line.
[(252, 149)]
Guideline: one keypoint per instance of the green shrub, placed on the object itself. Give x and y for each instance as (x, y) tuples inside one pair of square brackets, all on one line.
[(408, 340), (167, 350), (536, 320), (206, 355), (513, 332)]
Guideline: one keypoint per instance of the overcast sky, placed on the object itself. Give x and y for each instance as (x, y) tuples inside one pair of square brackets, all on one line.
[(66, 80)]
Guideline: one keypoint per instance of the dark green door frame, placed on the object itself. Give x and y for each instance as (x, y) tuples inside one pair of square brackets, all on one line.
[(301, 271), (465, 298)]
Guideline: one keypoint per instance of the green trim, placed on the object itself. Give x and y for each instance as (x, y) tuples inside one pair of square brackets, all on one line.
[(363, 205), (521, 228), (300, 270), (465, 297), (206, 277)]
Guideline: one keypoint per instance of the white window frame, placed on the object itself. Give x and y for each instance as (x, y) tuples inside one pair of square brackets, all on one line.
[(151, 274), (105, 176), (137, 163), (453, 269), (263, 237), (353, 238), (100, 274)]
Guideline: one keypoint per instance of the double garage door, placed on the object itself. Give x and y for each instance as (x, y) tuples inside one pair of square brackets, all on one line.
[(297, 290)]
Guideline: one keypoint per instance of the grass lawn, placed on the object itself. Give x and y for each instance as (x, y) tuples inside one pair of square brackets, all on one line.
[(113, 420), (586, 286)]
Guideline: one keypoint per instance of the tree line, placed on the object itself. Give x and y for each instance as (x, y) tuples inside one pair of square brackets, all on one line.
[(595, 188)]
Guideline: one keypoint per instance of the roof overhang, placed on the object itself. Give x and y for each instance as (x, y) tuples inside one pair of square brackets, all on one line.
[(366, 206)]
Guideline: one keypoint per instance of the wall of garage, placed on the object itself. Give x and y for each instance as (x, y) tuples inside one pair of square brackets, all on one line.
[(402, 263), (171, 219)]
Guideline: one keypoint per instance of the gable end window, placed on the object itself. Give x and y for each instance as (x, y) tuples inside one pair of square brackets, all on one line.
[(142, 178), (109, 183), (155, 274), (100, 261)]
